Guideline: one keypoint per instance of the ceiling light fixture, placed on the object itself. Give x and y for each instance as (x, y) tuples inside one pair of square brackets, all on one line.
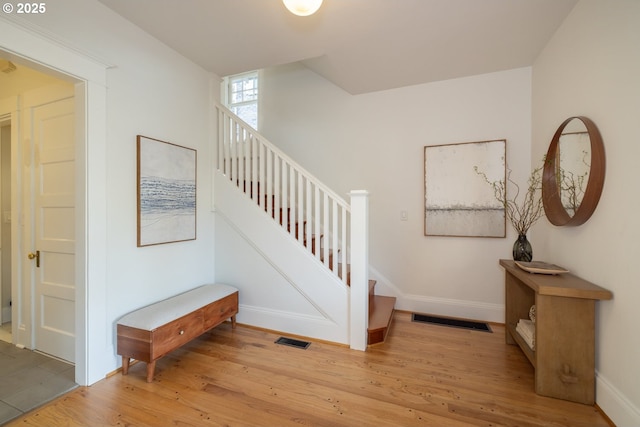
[(303, 7)]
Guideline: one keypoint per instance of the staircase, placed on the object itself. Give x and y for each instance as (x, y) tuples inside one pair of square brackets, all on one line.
[(312, 215)]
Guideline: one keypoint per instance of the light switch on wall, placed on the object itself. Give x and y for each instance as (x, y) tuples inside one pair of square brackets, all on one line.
[(404, 215)]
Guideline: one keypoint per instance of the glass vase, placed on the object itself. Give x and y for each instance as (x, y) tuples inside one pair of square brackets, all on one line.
[(522, 249)]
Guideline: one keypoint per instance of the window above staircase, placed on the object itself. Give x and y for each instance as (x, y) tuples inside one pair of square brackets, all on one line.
[(240, 94)]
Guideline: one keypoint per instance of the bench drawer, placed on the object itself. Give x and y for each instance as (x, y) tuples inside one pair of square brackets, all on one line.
[(217, 312), (176, 333)]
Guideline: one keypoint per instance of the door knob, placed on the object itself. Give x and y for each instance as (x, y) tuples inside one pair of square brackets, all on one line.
[(35, 256)]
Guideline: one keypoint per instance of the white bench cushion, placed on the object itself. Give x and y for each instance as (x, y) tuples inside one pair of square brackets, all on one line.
[(155, 315)]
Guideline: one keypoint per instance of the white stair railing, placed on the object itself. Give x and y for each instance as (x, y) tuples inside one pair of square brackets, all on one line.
[(310, 212)]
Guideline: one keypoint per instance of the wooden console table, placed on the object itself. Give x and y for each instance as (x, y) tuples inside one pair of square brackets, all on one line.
[(564, 355)]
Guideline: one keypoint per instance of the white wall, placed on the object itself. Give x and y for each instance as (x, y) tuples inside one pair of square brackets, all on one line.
[(376, 142), (153, 91), (592, 67)]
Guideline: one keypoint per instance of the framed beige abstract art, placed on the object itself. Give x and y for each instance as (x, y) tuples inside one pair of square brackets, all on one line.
[(458, 201)]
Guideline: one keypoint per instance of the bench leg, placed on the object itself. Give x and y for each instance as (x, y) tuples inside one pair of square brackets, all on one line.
[(125, 365), (233, 321), (151, 367)]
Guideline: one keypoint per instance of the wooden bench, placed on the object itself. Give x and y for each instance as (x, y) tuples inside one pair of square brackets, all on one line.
[(151, 332)]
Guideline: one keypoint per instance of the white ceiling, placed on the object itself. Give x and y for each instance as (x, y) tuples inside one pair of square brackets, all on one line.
[(360, 45)]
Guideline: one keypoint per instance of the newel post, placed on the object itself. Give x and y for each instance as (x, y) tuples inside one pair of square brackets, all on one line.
[(359, 279)]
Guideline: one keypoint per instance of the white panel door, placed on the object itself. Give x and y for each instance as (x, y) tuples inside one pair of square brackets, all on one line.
[(53, 201)]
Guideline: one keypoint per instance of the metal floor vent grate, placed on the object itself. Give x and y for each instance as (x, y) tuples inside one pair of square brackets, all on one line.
[(293, 343), (454, 323)]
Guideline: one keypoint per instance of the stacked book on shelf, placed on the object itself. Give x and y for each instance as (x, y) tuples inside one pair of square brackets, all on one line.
[(527, 330)]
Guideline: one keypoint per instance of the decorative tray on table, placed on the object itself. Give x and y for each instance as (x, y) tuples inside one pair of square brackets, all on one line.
[(540, 267)]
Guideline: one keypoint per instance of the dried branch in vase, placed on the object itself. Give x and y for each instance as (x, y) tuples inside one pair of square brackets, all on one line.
[(522, 214)]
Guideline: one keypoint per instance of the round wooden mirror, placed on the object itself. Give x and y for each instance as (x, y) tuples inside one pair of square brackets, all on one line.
[(573, 174)]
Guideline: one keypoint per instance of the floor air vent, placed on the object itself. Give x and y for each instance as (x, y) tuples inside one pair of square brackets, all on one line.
[(293, 343), (454, 323)]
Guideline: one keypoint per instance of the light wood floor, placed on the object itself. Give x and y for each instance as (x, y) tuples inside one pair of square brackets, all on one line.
[(423, 375)]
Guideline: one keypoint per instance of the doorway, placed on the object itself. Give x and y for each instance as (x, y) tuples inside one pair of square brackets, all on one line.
[(51, 55), (38, 186)]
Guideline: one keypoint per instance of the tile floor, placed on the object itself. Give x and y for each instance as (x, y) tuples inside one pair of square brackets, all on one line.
[(29, 379)]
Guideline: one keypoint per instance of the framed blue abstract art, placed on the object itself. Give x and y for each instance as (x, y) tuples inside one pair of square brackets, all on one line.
[(166, 192)]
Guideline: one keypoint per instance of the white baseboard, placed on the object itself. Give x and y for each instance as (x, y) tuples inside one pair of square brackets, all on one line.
[(471, 310), (615, 404), (293, 323)]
